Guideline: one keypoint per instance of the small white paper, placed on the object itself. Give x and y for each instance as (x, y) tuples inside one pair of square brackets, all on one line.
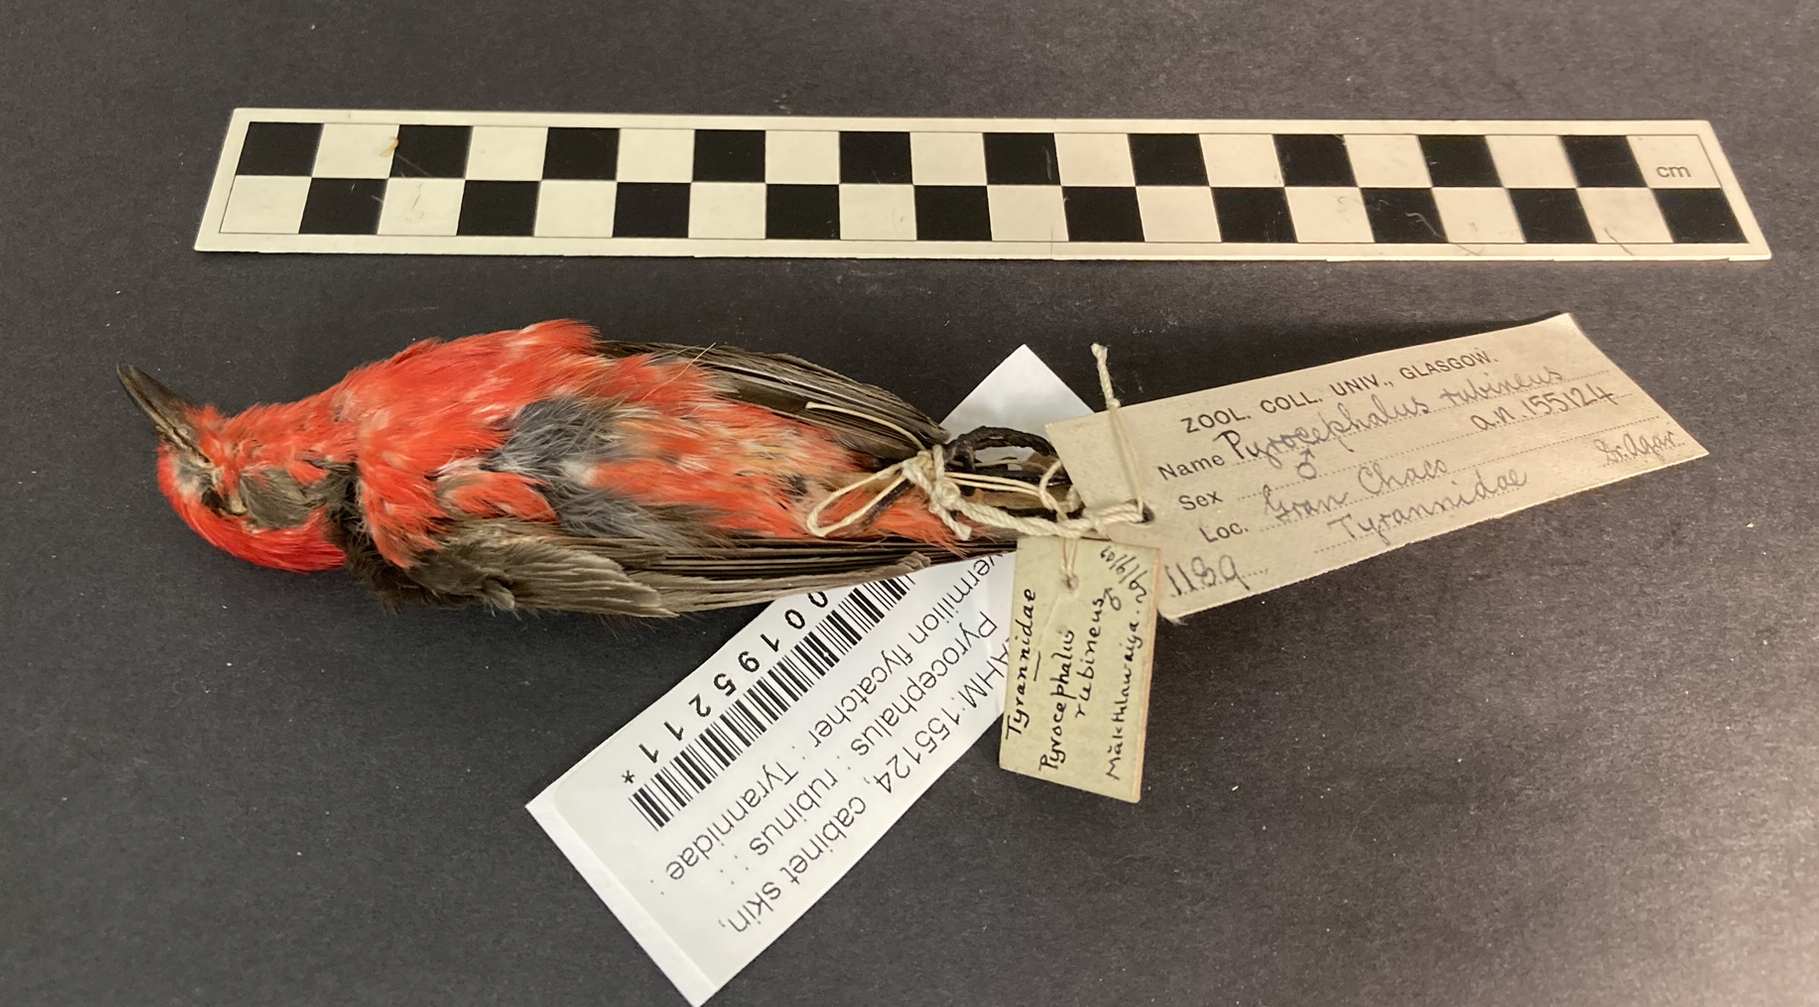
[(722, 813)]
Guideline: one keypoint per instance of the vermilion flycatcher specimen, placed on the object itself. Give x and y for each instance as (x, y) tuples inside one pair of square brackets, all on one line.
[(546, 468)]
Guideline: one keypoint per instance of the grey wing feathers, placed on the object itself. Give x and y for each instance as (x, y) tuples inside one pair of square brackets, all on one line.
[(508, 566), (789, 385), (511, 565)]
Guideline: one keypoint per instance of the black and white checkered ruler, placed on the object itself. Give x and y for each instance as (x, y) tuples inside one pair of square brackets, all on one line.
[(504, 183)]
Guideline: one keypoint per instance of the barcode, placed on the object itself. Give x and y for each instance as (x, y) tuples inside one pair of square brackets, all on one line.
[(764, 701)]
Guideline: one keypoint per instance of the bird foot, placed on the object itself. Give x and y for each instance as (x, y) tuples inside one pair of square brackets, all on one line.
[(964, 449), (964, 454)]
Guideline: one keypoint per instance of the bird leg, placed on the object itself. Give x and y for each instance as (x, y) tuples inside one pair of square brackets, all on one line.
[(963, 456), (964, 449)]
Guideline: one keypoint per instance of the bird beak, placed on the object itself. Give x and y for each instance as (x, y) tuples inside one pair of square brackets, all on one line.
[(167, 410)]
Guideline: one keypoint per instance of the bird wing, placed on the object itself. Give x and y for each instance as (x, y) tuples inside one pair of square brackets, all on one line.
[(516, 565), (520, 564), (864, 417)]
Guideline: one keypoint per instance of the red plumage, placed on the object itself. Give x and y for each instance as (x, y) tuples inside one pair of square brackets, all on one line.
[(690, 471)]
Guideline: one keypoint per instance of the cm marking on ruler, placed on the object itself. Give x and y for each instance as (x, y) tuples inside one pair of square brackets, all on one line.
[(508, 183)]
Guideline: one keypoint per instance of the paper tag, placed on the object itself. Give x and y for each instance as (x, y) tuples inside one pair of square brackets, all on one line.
[(1076, 697), (1267, 482), (718, 816)]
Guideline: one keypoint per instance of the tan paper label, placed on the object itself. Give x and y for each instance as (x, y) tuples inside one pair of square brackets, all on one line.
[(1076, 701), (1267, 482)]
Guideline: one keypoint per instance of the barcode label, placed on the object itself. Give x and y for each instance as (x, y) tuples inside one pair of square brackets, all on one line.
[(765, 700), (689, 869)]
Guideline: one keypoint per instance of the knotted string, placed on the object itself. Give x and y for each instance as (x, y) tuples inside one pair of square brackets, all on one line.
[(927, 471)]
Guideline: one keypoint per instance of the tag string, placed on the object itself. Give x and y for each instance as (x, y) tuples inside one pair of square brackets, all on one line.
[(927, 471), (1121, 438)]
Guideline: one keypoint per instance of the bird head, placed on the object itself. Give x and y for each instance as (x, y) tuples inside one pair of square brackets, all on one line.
[(241, 482)]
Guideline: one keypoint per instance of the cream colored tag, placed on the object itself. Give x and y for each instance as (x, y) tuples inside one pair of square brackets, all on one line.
[(1076, 701), (1267, 482)]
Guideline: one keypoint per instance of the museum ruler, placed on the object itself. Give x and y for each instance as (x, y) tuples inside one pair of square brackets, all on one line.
[(528, 183)]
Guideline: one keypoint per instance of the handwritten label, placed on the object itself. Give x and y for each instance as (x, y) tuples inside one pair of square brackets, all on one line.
[(717, 817), (1076, 697), (1267, 482)]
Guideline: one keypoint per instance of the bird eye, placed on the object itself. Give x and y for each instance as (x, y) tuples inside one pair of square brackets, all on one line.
[(231, 504)]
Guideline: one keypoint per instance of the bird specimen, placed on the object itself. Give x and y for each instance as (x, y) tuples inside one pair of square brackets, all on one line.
[(547, 468)]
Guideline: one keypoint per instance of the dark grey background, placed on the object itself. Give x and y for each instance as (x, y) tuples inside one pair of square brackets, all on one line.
[(1567, 757)]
